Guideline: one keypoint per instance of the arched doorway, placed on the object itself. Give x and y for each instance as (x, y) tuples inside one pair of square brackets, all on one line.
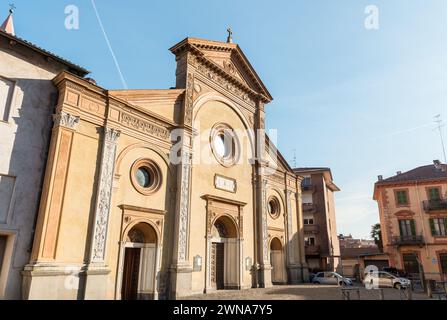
[(277, 258), (224, 255), (140, 260)]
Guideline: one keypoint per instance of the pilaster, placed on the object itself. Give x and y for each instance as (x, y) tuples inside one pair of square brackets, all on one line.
[(96, 271)]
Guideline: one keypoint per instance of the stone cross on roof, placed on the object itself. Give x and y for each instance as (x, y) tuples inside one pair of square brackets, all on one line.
[(230, 35), (12, 7)]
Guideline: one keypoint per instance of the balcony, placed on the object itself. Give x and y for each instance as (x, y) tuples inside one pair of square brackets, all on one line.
[(408, 240), (309, 207), (435, 205), (312, 250), (307, 187), (310, 228)]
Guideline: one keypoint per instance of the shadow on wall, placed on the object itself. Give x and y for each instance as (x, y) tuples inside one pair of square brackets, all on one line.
[(30, 123)]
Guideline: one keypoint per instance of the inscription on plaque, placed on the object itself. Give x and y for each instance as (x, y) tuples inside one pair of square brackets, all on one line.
[(225, 183)]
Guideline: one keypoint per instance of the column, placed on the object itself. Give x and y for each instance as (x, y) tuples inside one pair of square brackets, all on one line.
[(96, 271), (43, 277), (181, 269), (265, 269), (264, 278)]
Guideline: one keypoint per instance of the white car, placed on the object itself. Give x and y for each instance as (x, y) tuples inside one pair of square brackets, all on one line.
[(386, 280), (331, 278)]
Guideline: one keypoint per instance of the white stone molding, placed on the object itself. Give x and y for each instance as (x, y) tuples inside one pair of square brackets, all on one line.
[(290, 246), (104, 194), (65, 120), (184, 206), (265, 240)]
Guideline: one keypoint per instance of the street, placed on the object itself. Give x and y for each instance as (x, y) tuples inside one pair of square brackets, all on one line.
[(302, 292)]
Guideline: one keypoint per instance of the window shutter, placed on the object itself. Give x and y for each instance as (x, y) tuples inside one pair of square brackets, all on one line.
[(413, 227), (432, 227), (400, 227), (445, 225)]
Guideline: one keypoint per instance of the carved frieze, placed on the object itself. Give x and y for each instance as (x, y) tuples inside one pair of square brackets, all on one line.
[(133, 122)]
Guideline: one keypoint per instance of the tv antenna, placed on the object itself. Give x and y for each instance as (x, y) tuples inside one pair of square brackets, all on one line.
[(439, 125)]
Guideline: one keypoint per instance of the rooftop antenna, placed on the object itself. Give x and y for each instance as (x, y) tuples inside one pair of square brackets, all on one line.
[(439, 125), (294, 158)]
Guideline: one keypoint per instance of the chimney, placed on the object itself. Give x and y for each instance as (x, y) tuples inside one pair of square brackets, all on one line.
[(399, 172), (380, 178), (439, 166)]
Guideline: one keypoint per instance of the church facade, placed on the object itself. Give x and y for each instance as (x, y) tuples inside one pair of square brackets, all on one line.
[(160, 194)]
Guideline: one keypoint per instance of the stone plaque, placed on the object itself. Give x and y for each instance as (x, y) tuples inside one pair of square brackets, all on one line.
[(225, 183)]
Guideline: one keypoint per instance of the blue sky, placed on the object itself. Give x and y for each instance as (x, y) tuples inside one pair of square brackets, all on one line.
[(359, 101)]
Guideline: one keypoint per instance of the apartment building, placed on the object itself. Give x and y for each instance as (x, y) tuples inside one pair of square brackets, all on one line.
[(322, 247), (413, 216)]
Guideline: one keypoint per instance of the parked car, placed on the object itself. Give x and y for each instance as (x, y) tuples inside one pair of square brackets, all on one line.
[(386, 280), (396, 272), (331, 278)]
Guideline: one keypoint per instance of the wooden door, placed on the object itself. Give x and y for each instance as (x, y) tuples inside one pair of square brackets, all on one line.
[(217, 265), (129, 289), (278, 266)]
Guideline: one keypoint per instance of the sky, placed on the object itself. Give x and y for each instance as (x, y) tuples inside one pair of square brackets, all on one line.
[(357, 100)]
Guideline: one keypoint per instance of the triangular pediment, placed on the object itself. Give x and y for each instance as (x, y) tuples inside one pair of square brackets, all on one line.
[(230, 58)]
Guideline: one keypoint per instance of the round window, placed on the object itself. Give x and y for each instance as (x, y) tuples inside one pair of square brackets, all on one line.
[(224, 145), (145, 176), (273, 207)]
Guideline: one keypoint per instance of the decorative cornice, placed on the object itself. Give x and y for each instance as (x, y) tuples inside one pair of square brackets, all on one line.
[(127, 207), (209, 197)]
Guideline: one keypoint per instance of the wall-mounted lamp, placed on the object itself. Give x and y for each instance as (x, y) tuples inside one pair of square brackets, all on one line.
[(248, 263), (197, 263)]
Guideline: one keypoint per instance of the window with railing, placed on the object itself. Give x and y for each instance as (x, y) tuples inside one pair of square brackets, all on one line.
[(407, 228), (438, 226)]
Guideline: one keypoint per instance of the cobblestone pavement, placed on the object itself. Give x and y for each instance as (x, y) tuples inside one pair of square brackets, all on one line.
[(302, 292)]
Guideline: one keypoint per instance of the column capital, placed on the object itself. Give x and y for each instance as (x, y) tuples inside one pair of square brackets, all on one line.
[(111, 134), (66, 120)]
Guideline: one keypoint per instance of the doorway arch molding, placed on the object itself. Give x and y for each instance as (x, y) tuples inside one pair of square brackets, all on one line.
[(223, 208), (131, 217)]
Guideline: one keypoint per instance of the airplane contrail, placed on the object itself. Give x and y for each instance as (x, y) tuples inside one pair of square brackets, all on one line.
[(391, 134), (109, 45)]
